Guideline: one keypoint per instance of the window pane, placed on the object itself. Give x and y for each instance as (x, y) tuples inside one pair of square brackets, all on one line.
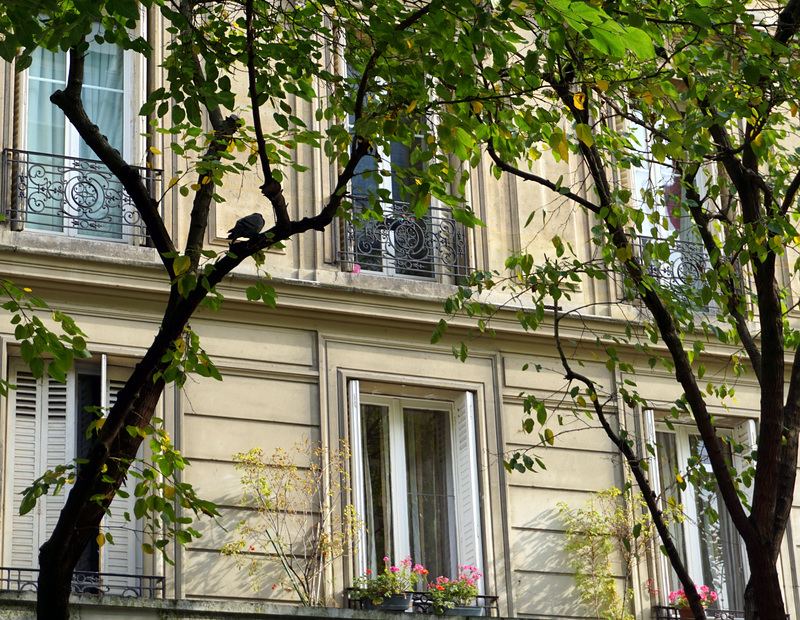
[(667, 466), (431, 499), (377, 485), (720, 549)]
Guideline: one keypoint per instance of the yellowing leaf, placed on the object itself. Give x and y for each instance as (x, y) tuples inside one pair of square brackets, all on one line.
[(679, 478), (101, 539), (648, 98), (180, 345), (603, 85), (408, 43), (155, 151), (794, 109), (411, 107), (758, 139), (477, 106), (584, 133), (182, 264), (231, 146), (505, 133), (172, 181), (548, 436), (534, 153), (169, 492), (195, 187), (578, 99), (100, 423)]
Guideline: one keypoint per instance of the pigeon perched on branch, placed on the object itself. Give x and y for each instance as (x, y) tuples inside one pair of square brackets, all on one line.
[(247, 227)]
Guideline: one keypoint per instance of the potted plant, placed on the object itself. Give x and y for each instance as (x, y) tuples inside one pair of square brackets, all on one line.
[(678, 600), (392, 588), (456, 596)]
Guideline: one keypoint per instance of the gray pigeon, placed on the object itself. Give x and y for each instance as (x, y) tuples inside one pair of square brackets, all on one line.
[(247, 227)]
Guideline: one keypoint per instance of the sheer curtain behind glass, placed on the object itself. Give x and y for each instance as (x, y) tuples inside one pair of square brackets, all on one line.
[(45, 134), (63, 192), (377, 485), (431, 499)]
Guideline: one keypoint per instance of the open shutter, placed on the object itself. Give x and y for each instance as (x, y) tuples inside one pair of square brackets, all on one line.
[(465, 461), (357, 476), (745, 434), (59, 440), (124, 556), (649, 438), (43, 437), (25, 461)]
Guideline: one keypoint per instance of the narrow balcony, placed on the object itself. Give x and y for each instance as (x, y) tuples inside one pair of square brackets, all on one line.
[(70, 196), (433, 246), (115, 584)]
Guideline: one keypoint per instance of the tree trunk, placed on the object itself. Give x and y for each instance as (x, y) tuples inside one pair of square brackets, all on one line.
[(764, 588)]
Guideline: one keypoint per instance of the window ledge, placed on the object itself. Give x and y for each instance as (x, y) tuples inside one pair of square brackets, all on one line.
[(83, 249)]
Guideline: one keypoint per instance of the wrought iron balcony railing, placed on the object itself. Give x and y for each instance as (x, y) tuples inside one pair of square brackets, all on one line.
[(671, 613), (685, 267), (421, 603), (138, 586), (72, 196), (406, 246)]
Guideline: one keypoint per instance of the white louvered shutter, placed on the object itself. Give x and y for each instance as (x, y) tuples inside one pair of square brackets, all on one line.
[(124, 556), (359, 489), (43, 437), (25, 461), (59, 439), (465, 461), (745, 434)]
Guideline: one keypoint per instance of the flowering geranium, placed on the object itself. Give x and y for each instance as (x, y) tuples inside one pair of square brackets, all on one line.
[(446, 593), (392, 580), (678, 598)]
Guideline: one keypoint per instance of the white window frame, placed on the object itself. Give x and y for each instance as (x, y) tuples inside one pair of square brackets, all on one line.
[(467, 537), (744, 433)]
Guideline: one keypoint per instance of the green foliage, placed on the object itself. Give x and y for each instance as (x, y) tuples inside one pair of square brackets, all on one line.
[(187, 356), (299, 519), (609, 529), (41, 348)]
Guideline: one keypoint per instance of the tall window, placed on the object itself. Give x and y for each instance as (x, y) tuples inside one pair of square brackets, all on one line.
[(393, 241), (48, 422), (415, 480), (707, 538), (657, 189), (58, 185)]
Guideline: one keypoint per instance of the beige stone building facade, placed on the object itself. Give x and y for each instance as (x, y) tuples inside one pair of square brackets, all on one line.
[(346, 355)]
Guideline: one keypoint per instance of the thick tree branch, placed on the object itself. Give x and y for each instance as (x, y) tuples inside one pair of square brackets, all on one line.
[(635, 464), (701, 221), (272, 190)]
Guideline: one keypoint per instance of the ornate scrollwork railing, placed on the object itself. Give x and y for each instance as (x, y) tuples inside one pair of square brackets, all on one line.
[(686, 264), (403, 245), (671, 613), (71, 195), (117, 584)]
